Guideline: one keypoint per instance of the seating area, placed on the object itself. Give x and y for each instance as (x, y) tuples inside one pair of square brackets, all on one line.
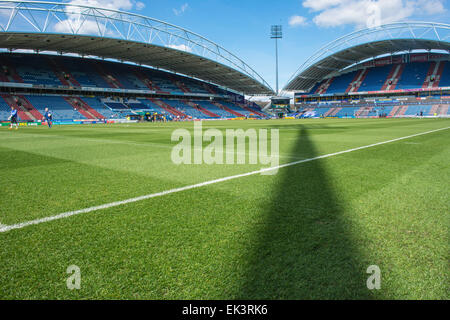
[(445, 77), (215, 109), (414, 75), (374, 110), (35, 70), (375, 78), (61, 72), (236, 108), (61, 109), (417, 109), (153, 107), (186, 109), (4, 110), (99, 106), (55, 70), (341, 83)]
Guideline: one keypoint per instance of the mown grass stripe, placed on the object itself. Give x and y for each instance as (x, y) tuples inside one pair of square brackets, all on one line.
[(22, 225)]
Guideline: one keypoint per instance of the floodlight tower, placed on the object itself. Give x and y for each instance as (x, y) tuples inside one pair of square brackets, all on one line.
[(276, 33)]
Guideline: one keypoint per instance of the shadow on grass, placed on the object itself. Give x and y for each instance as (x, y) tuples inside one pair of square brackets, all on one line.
[(304, 248)]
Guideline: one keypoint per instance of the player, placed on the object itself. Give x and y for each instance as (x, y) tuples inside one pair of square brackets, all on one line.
[(13, 118), (48, 116)]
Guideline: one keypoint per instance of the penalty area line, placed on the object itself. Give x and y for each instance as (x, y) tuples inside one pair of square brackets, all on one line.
[(6, 228)]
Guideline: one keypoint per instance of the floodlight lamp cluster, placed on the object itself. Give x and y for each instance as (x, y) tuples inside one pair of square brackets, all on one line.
[(276, 32)]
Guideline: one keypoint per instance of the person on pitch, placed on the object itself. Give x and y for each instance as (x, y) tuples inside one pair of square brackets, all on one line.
[(48, 116), (14, 119)]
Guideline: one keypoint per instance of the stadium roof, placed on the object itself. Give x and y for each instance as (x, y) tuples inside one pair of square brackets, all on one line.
[(366, 44), (112, 34)]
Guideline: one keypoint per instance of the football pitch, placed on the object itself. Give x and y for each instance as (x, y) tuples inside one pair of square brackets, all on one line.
[(308, 232)]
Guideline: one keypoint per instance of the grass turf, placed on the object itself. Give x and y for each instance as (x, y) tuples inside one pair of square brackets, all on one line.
[(309, 232)]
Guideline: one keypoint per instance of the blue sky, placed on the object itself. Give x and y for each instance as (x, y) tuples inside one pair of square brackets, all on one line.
[(243, 26)]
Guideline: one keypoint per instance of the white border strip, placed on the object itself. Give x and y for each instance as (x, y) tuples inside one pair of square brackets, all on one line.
[(4, 228)]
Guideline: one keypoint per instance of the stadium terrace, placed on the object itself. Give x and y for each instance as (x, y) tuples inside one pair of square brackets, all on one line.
[(158, 71), (395, 70)]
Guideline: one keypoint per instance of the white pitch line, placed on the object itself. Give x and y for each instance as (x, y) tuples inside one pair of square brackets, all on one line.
[(4, 228)]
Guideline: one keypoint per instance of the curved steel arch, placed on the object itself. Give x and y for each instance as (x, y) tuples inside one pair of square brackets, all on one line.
[(41, 17), (436, 32)]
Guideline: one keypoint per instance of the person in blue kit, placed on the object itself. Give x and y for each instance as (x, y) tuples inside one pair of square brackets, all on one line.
[(48, 116), (14, 118)]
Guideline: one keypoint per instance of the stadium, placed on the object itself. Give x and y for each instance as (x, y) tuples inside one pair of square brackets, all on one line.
[(362, 178), (395, 70)]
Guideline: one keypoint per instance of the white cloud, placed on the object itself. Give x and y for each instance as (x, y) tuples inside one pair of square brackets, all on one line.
[(432, 6), (106, 4), (181, 10), (369, 13), (181, 47), (318, 5), (89, 25), (79, 26), (140, 5), (296, 21)]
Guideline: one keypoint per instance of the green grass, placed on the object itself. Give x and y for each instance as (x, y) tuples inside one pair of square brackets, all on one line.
[(309, 232)]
